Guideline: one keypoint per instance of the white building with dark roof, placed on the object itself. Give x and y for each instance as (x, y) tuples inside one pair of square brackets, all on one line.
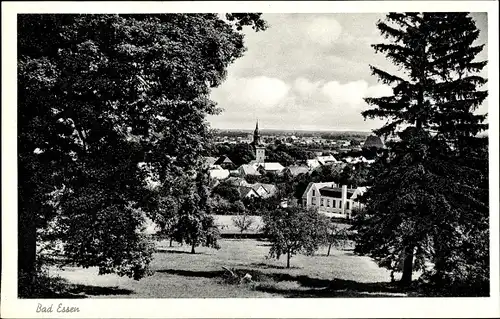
[(331, 200)]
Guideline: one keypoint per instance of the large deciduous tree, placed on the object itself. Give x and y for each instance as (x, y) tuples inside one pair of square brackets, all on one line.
[(97, 95), (429, 202)]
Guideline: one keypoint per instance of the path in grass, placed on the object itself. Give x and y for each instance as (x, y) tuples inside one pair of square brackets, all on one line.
[(179, 274)]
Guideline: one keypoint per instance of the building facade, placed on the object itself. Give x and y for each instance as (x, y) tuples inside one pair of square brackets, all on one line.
[(331, 200)]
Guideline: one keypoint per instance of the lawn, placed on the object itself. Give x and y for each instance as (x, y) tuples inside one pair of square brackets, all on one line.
[(179, 274)]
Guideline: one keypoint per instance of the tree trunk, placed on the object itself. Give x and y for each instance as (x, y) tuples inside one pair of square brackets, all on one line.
[(288, 259), (439, 264), (26, 248), (192, 249), (407, 266), (171, 239), (329, 248)]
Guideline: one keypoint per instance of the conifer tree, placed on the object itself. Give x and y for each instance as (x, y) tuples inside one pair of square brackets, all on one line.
[(430, 188)]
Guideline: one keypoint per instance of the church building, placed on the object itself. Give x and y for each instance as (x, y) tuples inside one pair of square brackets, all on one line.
[(259, 148)]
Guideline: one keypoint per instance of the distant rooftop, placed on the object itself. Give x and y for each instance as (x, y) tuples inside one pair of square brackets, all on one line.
[(373, 141)]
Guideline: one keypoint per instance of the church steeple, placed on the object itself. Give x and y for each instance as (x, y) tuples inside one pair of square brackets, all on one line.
[(260, 149), (256, 134)]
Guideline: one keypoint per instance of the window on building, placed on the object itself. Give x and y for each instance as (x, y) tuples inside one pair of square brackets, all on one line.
[(347, 205), (314, 192), (334, 203), (322, 202), (327, 203), (340, 204)]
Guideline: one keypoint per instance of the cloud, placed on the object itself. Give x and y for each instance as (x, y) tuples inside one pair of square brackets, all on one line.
[(301, 104), (324, 30), (304, 87), (378, 90), (253, 92), (350, 93)]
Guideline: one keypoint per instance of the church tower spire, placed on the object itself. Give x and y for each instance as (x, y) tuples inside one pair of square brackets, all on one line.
[(260, 150), (256, 134)]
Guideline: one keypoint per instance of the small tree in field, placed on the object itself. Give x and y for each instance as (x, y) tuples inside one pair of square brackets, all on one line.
[(293, 230), (244, 222), (335, 236)]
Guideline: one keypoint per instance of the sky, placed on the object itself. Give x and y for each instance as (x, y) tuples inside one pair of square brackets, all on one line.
[(309, 72)]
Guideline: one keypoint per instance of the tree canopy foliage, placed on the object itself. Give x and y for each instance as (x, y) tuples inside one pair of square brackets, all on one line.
[(294, 230), (97, 96)]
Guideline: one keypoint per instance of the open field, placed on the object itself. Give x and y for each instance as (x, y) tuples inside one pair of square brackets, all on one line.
[(179, 274), (226, 225)]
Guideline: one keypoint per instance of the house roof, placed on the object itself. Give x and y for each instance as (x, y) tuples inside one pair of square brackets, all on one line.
[(209, 160), (256, 186), (373, 141), (270, 188), (326, 159), (318, 185), (237, 181), (307, 189), (296, 169), (313, 162), (335, 192), (249, 170), (219, 173), (244, 191), (359, 191), (223, 160), (273, 166)]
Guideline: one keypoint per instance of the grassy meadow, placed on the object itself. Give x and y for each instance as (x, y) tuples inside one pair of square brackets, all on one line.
[(179, 274)]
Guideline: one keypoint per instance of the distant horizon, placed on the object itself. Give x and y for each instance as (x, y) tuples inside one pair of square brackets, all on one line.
[(294, 130), (367, 132)]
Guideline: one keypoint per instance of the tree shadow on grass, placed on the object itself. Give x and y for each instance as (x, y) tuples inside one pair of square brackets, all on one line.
[(308, 287), (78, 291), (321, 288), (99, 290), (322, 293), (267, 266), (190, 273), (172, 251)]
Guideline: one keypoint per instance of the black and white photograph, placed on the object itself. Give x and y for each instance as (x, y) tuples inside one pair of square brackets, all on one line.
[(207, 155)]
